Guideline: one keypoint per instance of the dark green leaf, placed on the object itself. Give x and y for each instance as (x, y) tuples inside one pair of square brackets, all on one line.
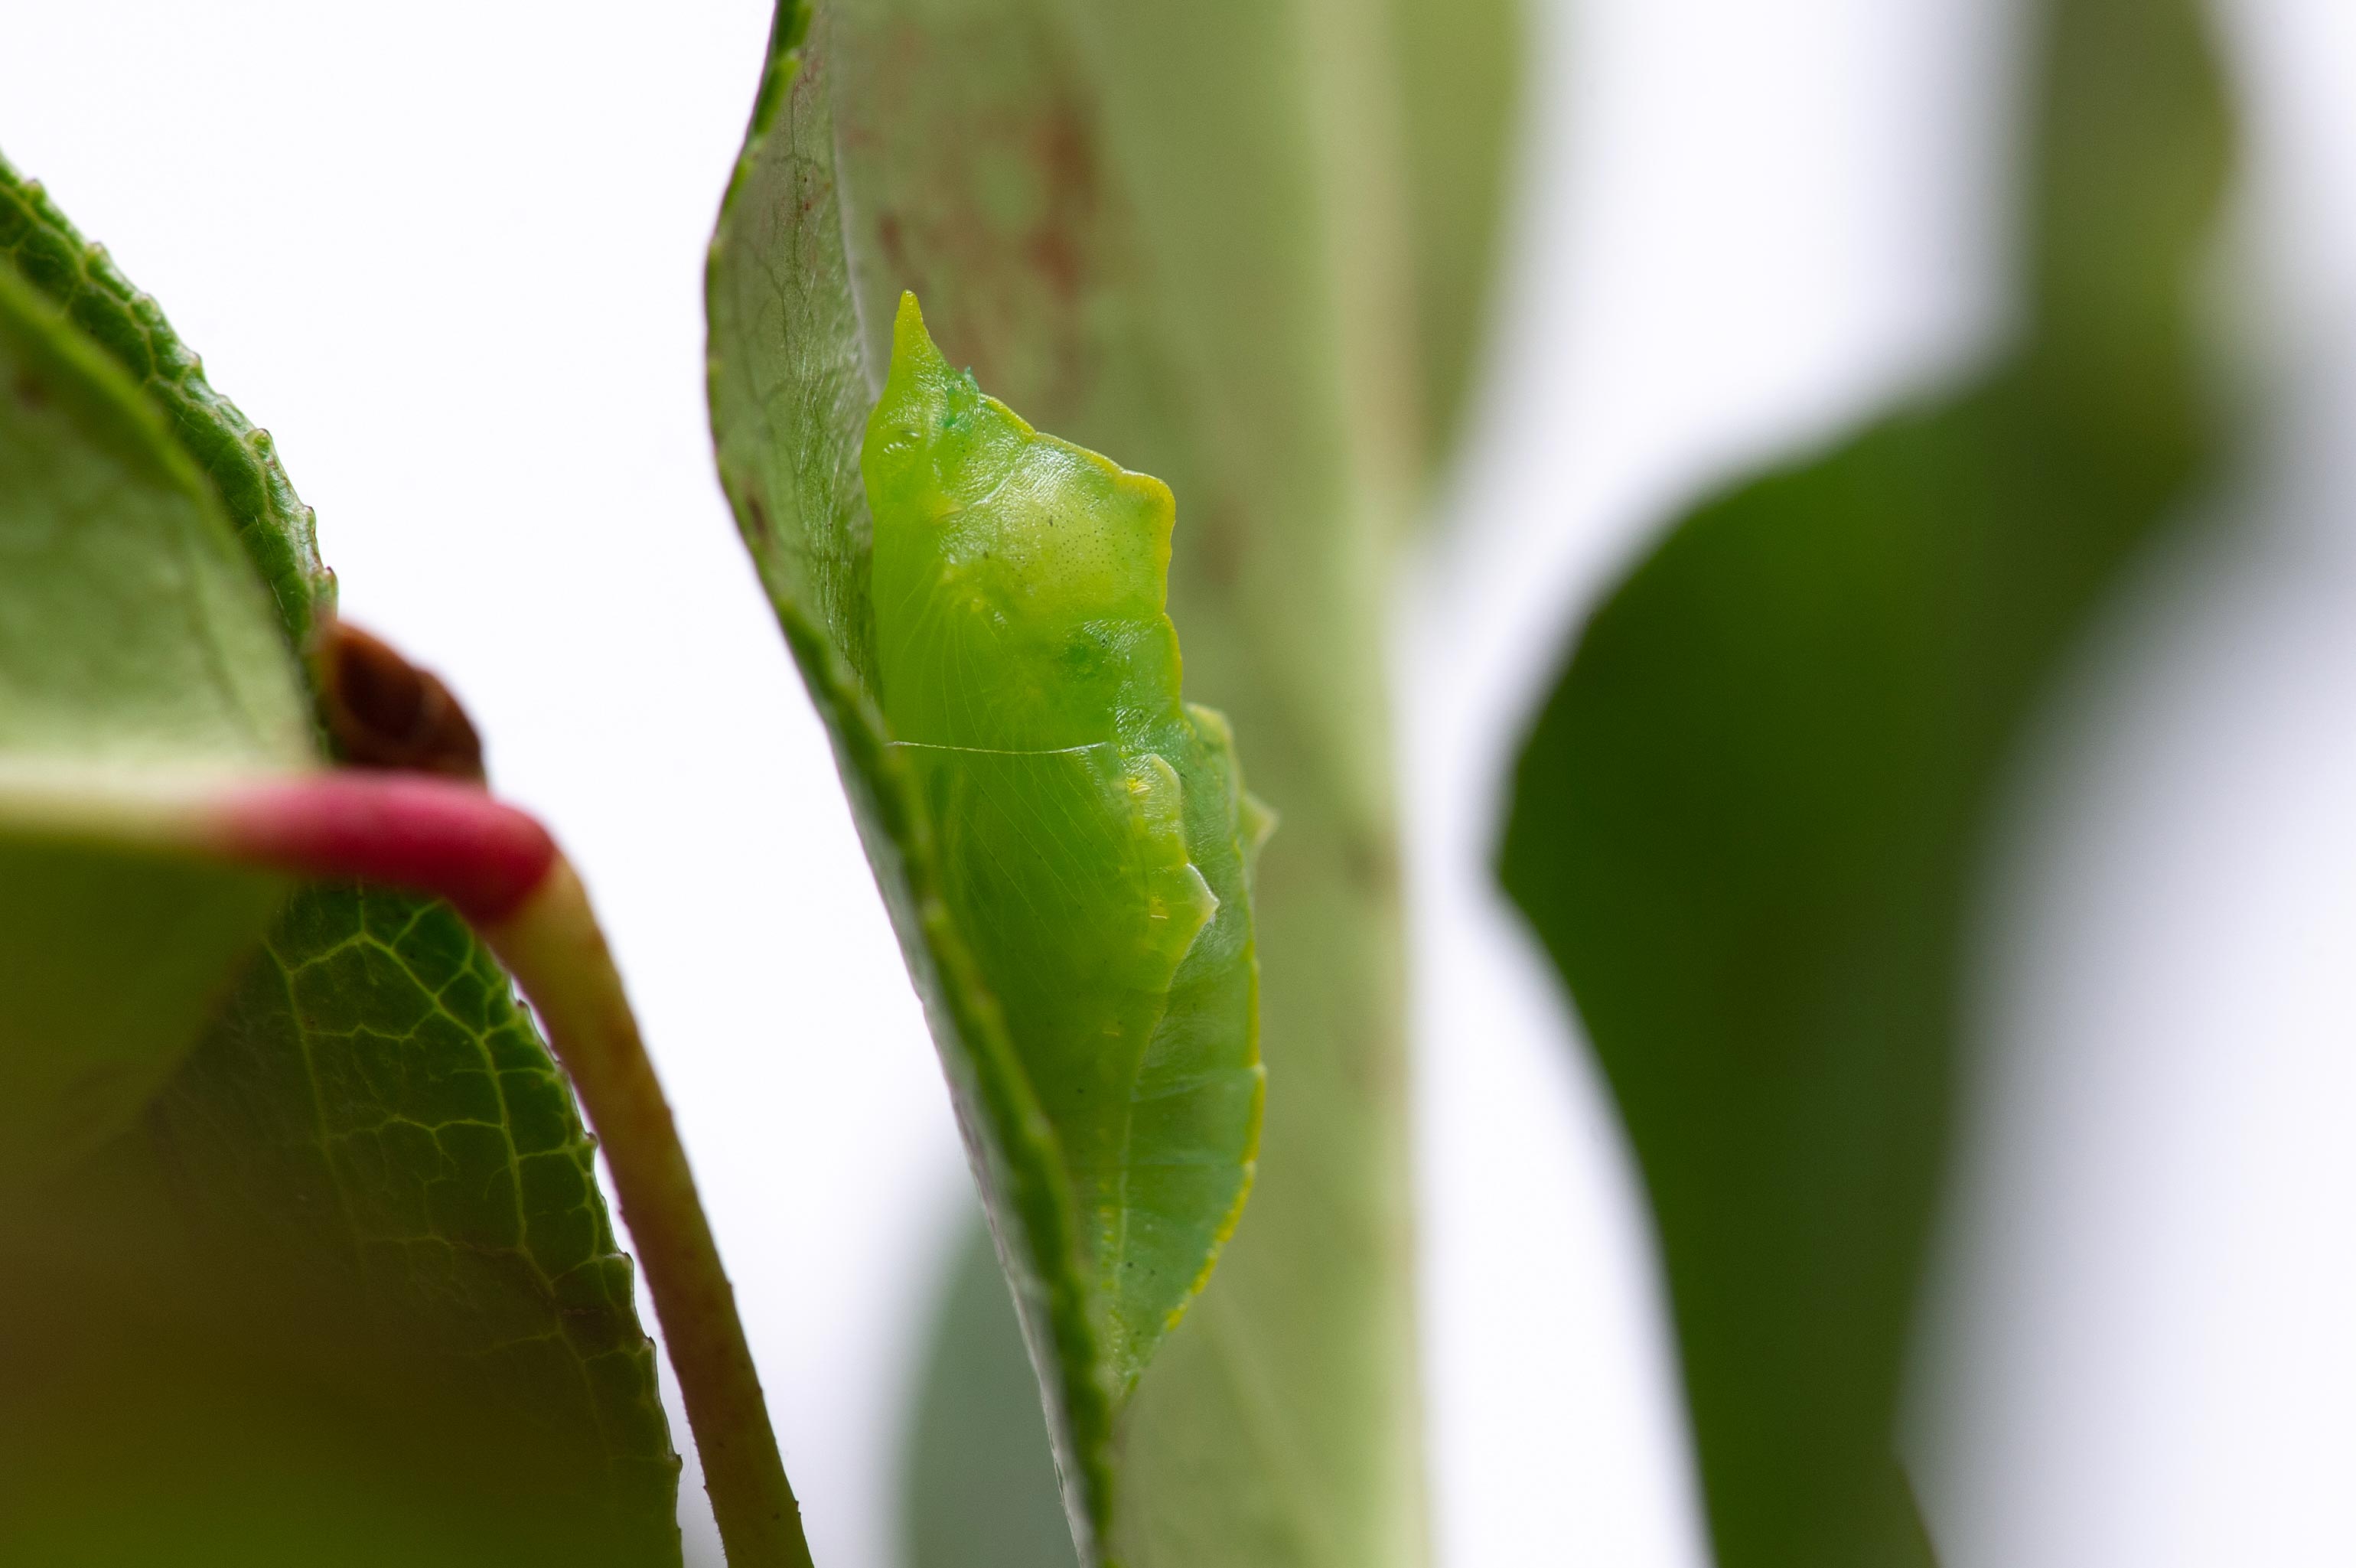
[(1747, 823)]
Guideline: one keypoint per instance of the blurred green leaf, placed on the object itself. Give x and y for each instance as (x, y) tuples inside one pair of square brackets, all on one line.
[(132, 644), (329, 1280), (978, 1490), (1747, 825), (1459, 71), (1174, 234), (134, 648)]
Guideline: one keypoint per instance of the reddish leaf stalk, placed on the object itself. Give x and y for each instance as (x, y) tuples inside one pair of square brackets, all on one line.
[(501, 870)]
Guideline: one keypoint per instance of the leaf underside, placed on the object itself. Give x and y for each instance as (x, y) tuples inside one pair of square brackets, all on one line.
[(790, 397), (1746, 824), (330, 1281), (1459, 76), (1060, 841), (1167, 233)]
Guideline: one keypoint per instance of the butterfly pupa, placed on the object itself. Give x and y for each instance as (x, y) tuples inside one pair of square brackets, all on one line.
[(1094, 834)]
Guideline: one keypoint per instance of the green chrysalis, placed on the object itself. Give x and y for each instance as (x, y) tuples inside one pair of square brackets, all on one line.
[(1093, 835)]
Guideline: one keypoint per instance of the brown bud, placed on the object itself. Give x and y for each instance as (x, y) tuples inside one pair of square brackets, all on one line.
[(386, 713)]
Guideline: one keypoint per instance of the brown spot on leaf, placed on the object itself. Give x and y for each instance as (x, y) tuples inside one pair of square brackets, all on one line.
[(895, 243), (1067, 167), (1056, 255)]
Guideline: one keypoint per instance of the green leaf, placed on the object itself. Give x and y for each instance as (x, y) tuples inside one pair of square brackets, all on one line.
[(347, 1292), (307, 1265), (1458, 67), (77, 276), (132, 643), (1169, 234), (980, 1450), (1747, 825), (789, 402)]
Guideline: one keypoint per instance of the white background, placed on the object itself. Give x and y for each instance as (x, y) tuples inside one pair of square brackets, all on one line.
[(450, 253)]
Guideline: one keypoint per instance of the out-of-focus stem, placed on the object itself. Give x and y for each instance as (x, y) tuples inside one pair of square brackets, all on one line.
[(552, 945)]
